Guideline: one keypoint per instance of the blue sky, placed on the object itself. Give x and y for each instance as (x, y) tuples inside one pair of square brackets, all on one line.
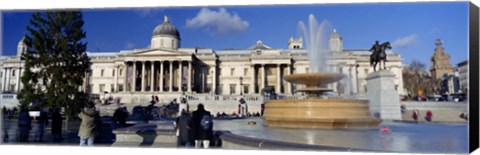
[(411, 27)]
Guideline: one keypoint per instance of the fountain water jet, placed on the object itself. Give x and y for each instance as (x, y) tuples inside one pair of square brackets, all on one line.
[(316, 112)]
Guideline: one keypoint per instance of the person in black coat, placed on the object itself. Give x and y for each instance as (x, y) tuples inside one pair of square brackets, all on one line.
[(182, 124), (24, 124), (57, 122), (200, 134), (120, 117)]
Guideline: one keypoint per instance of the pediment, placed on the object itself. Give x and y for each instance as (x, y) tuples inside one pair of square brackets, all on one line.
[(159, 52)]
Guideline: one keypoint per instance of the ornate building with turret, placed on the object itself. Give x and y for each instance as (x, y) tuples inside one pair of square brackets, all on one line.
[(440, 61), (168, 70)]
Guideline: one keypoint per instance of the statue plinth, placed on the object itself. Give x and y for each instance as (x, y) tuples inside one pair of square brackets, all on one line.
[(384, 99)]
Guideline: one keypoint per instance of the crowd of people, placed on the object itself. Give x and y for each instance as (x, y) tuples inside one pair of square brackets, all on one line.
[(36, 121), (9, 111), (234, 114)]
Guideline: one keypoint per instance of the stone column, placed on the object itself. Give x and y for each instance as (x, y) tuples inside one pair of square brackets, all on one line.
[(204, 78), (171, 77), (143, 76), (290, 88), (161, 76), (252, 80), (180, 76), (115, 85), (262, 79), (189, 83), (125, 67), (18, 80), (152, 79), (134, 82), (7, 81), (214, 82), (354, 86), (4, 79), (278, 89)]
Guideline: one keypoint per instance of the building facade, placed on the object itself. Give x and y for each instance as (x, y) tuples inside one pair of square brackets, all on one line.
[(440, 62), (449, 84), (463, 75), (168, 70)]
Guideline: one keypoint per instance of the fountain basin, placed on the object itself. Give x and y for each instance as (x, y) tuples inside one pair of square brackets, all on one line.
[(319, 113)]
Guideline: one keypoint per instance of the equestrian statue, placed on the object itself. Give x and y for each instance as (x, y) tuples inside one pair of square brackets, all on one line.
[(378, 55)]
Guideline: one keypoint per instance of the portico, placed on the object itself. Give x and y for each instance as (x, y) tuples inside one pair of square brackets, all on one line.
[(159, 71), (271, 74)]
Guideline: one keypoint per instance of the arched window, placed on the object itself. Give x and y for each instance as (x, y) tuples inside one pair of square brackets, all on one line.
[(173, 43)]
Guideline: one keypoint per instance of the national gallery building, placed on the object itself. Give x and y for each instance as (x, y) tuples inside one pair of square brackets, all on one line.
[(168, 70)]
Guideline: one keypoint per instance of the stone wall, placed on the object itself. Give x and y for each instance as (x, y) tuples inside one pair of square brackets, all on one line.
[(146, 135), (445, 112), (430, 105)]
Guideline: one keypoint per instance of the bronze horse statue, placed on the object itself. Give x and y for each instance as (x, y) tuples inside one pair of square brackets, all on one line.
[(379, 55)]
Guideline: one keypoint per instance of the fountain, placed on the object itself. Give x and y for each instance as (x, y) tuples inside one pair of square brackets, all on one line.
[(317, 111)]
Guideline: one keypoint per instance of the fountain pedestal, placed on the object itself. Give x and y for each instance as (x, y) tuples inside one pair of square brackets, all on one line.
[(384, 99)]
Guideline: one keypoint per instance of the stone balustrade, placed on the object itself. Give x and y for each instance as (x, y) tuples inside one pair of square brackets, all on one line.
[(8, 100), (224, 103), (223, 98)]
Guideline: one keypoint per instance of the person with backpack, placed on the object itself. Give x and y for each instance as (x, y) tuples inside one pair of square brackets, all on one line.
[(88, 126), (202, 125)]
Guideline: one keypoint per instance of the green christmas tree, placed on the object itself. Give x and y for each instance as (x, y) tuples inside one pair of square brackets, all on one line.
[(55, 61)]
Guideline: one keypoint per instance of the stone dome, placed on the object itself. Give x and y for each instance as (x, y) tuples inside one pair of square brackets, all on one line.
[(166, 29), (335, 35)]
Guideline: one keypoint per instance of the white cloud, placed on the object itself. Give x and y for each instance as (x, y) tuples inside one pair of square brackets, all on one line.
[(129, 45), (406, 41), (218, 22)]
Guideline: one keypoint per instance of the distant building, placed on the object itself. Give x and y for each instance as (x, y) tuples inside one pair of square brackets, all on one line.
[(450, 84), (463, 75), (440, 61)]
